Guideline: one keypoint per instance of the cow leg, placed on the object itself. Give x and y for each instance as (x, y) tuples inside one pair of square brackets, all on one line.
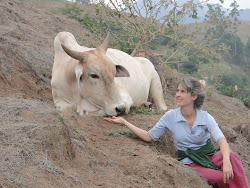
[(156, 93), (62, 105)]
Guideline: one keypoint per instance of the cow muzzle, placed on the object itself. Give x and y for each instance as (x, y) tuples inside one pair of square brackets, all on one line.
[(120, 110)]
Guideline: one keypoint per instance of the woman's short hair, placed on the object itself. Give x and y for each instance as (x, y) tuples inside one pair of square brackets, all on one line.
[(195, 87)]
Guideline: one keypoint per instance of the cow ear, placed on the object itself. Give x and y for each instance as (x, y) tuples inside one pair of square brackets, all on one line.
[(121, 71), (79, 74), (74, 54)]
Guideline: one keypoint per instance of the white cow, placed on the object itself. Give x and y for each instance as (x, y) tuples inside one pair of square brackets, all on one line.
[(101, 81)]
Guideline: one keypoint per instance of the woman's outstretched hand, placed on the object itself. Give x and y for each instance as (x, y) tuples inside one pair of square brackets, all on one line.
[(114, 119), (137, 131)]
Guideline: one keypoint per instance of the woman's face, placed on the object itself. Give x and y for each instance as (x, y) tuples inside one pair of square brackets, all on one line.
[(183, 98)]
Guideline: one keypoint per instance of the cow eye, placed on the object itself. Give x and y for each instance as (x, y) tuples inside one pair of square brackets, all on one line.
[(94, 76)]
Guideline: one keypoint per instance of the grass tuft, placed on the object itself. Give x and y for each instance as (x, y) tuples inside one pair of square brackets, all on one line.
[(148, 111), (118, 132)]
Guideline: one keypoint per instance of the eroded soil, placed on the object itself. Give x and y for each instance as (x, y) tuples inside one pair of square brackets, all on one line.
[(41, 148)]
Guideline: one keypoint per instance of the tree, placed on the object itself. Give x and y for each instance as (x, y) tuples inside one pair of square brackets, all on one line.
[(148, 19), (236, 52), (146, 23), (223, 32), (247, 52), (143, 23)]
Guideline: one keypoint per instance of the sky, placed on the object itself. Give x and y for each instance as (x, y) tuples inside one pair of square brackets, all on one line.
[(244, 4)]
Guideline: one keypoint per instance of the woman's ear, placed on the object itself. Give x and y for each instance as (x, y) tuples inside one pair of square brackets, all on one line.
[(194, 97)]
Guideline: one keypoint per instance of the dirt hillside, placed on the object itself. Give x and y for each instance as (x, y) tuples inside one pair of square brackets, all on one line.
[(41, 148)]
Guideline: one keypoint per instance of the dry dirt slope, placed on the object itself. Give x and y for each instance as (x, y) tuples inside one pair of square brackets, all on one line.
[(41, 148)]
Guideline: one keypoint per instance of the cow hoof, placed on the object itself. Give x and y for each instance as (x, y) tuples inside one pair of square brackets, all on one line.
[(83, 113)]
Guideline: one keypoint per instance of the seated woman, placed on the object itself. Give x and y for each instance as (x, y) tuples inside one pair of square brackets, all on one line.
[(191, 129)]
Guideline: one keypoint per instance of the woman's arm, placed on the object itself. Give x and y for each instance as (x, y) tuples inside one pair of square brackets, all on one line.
[(137, 131), (227, 166), (224, 147)]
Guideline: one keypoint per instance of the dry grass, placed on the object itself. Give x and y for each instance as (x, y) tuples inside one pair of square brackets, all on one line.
[(26, 142), (41, 148)]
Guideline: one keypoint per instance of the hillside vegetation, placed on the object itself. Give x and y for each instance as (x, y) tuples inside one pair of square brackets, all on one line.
[(43, 148)]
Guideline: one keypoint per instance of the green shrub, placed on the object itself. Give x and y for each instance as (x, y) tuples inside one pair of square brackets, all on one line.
[(88, 21), (246, 100), (228, 91), (73, 11), (233, 78), (189, 67), (229, 81), (118, 132), (144, 111)]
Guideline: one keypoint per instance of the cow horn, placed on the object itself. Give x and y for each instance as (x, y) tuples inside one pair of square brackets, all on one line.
[(74, 54), (105, 43)]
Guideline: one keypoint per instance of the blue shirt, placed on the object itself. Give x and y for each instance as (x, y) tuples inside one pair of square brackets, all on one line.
[(184, 137)]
